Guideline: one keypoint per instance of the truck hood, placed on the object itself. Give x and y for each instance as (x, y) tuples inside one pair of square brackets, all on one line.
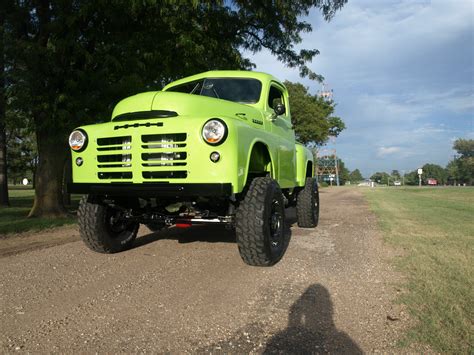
[(163, 104)]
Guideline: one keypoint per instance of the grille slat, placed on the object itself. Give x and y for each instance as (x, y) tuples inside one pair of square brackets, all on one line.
[(115, 175), (164, 156), (114, 140), (119, 147), (114, 158), (164, 174), (163, 164), (164, 146), (164, 138), (105, 166)]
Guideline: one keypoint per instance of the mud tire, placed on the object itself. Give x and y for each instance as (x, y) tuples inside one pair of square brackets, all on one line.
[(99, 233), (261, 231), (307, 205)]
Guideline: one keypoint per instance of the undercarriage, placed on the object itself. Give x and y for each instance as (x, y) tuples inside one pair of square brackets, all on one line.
[(169, 212), (109, 223)]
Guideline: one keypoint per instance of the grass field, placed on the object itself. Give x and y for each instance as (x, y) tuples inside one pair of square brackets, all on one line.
[(14, 219), (435, 228)]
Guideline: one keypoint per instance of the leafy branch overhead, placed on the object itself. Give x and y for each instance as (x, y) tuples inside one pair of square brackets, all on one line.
[(69, 62), (312, 116)]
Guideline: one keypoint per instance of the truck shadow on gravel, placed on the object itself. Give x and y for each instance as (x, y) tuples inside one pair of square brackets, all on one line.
[(202, 233), (310, 330)]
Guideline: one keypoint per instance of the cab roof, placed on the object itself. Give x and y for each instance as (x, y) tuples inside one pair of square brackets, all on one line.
[(263, 77)]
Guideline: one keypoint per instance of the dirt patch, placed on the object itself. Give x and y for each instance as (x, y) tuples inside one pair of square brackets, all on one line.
[(18, 243), (188, 291)]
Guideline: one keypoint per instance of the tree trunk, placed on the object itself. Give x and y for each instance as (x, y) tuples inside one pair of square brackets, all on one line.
[(4, 201), (52, 152), (67, 179)]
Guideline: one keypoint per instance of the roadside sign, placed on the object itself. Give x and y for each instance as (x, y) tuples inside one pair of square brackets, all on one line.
[(420, 171), (24, 181)]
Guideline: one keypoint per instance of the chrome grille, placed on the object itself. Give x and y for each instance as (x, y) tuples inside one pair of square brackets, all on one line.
[(114, 160), (163, 151)]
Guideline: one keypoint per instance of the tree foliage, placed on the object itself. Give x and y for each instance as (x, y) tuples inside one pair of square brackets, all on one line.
[(434, 171), (464, 147), (430, 171), (22, 154), (69, 62), (4, 200), (343, 173), (395, 174), (312, 116), (461, 169), (355, 176), (381, 177)]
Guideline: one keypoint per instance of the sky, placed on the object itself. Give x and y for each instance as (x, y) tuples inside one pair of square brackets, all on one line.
[(403, 79)]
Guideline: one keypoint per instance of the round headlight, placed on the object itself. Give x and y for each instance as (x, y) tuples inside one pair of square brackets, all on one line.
[(78, 140), (214, 131)]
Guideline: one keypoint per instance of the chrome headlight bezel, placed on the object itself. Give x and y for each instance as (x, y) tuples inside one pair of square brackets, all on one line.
[(222, 133), (74, 143)]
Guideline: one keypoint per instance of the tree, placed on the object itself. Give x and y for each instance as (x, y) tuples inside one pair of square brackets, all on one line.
[(461, 169), (380, 178), (464, 147), (73, 60), (355, 176), (4, 201), (22, 154), (395, 174), (411, 178), (430, 171), (343, 173), (452, 171), (311, 116), (434, 171)]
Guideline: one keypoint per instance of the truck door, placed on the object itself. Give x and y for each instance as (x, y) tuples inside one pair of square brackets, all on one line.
[(283, 136)]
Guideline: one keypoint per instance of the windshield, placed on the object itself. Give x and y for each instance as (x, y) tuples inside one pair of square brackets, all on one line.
[(241, 90)]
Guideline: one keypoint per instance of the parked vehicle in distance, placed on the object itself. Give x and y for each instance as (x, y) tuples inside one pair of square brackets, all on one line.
[(217, 147), (431, 182), (397, 183)]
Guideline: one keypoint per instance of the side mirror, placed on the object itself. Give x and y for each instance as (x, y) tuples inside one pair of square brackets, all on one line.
[(279, 109)]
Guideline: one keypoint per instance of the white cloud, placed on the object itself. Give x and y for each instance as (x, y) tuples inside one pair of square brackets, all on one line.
[(383, 151), (403, 76)]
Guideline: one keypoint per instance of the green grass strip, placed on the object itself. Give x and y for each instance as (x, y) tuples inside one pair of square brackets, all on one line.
[(435, 228)]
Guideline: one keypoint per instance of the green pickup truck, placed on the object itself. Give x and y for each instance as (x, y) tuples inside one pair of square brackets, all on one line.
[(217, 147)]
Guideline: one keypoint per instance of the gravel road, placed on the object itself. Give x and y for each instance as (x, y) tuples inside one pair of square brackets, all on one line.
[(189, 291)]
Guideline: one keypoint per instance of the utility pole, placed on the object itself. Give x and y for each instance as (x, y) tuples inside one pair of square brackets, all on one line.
[(420, 171)]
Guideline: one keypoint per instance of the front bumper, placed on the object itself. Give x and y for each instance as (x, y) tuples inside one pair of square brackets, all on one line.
[(150, 189)]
